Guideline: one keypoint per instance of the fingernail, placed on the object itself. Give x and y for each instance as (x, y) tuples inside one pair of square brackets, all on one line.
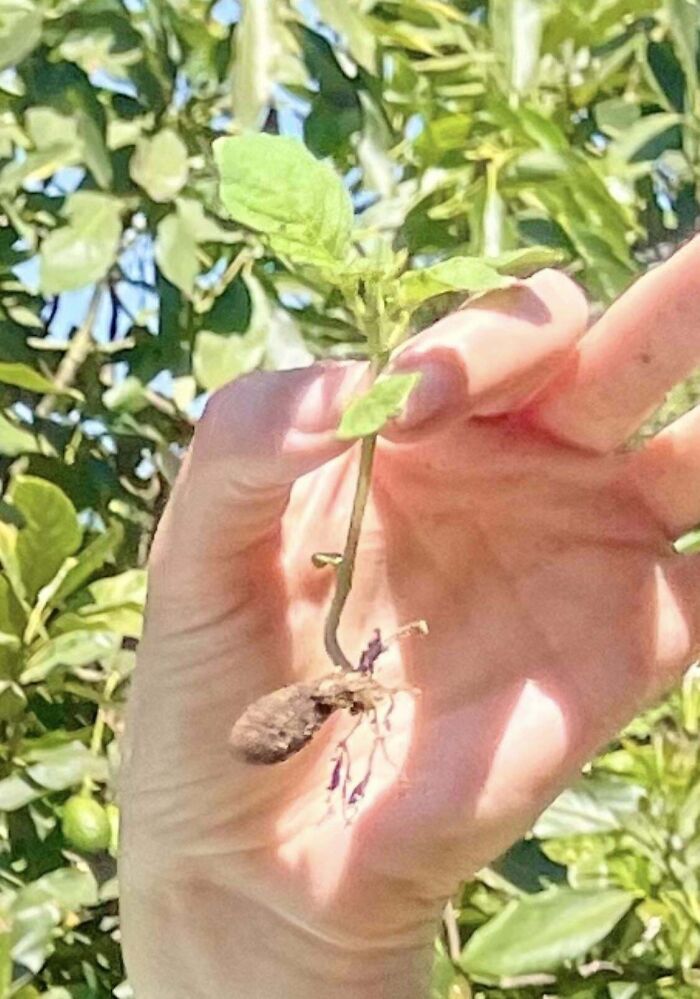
[(332, 387), (440, 392)]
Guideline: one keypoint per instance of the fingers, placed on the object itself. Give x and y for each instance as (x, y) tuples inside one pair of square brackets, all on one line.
[(666, 473), (643, 345), (678, 616), (493, 355)]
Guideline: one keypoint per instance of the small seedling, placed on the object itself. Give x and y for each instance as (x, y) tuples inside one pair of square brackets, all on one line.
[(302, 212)]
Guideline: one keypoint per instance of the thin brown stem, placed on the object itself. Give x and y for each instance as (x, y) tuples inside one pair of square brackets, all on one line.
[(346, 569)]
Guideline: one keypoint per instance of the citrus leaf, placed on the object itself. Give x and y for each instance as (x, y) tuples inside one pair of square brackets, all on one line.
[(72, 649), (354, 29), (50, 534), (273, 184), (516, 26), (385, 400), (15, 440), (537, 933), (66, 766), (219, 359), (159, 165), (253, 69), (82, 251), (594, 805), (684, 22), (101, 550), (20, 31), (15, 793), (631, 144), (176, 253), (22, 376)]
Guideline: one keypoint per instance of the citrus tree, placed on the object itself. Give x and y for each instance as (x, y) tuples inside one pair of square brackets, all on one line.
[(492, 132)]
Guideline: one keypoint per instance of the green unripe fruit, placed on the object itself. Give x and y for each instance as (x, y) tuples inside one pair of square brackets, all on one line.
[(86, 824), (28, 992), (113, 817)]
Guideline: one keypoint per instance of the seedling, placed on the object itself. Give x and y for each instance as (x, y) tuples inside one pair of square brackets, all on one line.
[(303, 214)]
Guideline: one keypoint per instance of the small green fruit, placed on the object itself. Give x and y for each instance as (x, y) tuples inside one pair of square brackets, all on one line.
[(86, 824), (28, 992), (113, 816)]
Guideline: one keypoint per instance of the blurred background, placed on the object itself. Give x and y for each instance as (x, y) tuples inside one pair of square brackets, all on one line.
[(126, 295)]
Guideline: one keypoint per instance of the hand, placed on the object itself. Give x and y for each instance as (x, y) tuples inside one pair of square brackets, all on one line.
[(508, 513)]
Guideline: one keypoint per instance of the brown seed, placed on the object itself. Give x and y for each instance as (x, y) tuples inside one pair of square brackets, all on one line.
[(278, 725)]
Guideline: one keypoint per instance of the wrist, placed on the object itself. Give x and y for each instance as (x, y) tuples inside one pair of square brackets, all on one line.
[(281, 957)]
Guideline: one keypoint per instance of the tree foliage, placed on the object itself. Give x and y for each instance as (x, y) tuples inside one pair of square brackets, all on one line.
[(466, 132)]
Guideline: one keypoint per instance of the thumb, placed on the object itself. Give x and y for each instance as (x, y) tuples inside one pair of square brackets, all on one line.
[(257, 435)]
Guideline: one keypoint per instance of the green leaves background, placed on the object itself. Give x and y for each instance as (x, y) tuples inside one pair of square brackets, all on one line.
[(460, 139)]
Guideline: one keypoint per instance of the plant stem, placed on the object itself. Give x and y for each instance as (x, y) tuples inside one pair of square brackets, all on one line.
[(81, 346), (454, 943), (346, 569)]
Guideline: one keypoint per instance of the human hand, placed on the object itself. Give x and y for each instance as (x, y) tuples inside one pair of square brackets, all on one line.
[(506, 511)]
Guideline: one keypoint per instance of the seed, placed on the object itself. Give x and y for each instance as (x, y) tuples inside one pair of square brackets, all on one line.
[(278, 725)]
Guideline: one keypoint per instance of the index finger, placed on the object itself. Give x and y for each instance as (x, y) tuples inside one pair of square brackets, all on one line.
[(646, 342)]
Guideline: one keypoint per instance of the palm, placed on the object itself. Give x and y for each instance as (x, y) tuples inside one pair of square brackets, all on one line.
[(537, 568), (555, 610)]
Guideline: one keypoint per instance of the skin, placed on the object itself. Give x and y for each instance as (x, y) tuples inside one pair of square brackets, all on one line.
[(507, 511)]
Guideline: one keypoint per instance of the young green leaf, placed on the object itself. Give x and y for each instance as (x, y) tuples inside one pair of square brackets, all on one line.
[(371, 411), (539, 932), (467, 274), (272, 184), (525, 260)]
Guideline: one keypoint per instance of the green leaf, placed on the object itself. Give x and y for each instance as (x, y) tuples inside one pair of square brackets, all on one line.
[(113, 591), (272, 184), (516, 26), (219, 359), (111, 604), (22, 376), (15, 793), (594, 805), (538, 933), (73, 649), (20, 31), (66, 766), (202, 228), (615, 115), (15, 440), (82, 251), (160, 165), (51, 532), (256, 46), (70, 888), (38, 908), (127, 396), (100, 551), (385, 400), (47, 129), (525, 260), (95, 152), (176, 253), (631, 144), (684, 22), (354, 30), (467, 274)]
